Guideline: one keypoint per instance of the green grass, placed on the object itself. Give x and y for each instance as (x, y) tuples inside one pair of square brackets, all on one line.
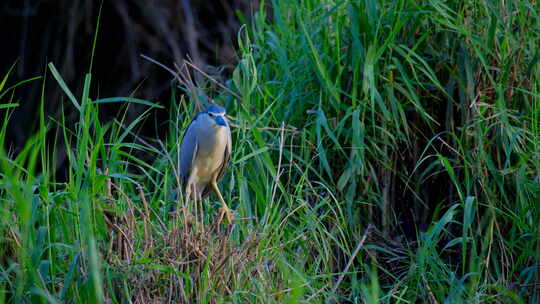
[(384, 152)]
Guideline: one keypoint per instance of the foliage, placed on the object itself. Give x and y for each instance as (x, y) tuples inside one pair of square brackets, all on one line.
[(384, 152)]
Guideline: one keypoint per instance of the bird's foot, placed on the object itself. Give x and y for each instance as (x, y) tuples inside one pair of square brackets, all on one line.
[(225, 211)]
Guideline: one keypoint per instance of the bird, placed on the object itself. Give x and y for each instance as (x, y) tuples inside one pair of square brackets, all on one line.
[(204, 155)]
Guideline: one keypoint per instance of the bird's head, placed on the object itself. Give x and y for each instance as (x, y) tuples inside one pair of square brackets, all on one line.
[(217, 115)]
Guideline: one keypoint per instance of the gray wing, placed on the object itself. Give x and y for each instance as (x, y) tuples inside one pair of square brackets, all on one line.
[(188, 151), (224, 164)]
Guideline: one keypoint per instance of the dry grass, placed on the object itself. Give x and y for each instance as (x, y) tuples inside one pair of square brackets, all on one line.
[(203, 251)]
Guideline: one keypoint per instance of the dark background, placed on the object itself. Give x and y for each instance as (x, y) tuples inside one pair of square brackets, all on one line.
[(36, 32)]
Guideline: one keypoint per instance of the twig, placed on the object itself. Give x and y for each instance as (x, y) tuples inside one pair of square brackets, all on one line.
[(353, 256), (214, 81), (163, 66), (342, 275), (182, 76), (188, 83)]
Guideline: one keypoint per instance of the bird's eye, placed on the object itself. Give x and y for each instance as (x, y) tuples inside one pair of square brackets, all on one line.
[(211, 115)]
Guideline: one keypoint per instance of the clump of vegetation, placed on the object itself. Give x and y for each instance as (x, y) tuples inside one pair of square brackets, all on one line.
[(383, 152)]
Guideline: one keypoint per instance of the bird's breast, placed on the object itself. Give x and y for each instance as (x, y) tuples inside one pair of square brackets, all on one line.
[(210, 153), (213, 142)]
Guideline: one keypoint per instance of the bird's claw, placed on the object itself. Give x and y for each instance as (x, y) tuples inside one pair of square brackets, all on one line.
[(229, 215), (225, 211)]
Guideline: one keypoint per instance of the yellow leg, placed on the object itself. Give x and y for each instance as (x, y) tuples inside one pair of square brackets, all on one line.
[(191, 194), (225, 209)]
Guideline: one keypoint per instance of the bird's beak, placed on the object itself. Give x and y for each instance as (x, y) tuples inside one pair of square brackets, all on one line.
[(220, 121)]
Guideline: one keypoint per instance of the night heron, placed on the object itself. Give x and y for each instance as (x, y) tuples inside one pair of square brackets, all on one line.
[(204, 156)]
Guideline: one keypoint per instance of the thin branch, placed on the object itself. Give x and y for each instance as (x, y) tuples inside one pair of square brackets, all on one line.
[(353, 256)]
